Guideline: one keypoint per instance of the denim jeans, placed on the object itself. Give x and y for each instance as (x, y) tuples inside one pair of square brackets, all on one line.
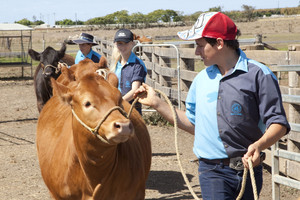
[(220, 182)]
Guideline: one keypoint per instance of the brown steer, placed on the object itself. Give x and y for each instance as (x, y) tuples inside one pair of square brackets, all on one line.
[(75, 163)]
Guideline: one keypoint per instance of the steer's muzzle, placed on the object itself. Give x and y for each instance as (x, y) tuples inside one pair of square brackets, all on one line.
[(120, 131)]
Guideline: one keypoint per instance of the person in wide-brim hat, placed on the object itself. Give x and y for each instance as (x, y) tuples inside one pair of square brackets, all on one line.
[(86, 42), (85, 38)]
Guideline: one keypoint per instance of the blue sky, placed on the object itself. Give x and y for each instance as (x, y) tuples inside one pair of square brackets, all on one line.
[(50, 10)]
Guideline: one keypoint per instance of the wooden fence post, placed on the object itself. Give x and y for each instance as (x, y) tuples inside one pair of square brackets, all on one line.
[(147, 57), (155, 75), (104, 46), (186, 64), (164, 62), (293, 144)]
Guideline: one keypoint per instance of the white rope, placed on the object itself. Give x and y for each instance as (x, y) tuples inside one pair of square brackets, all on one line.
[(252, 181), (176, 145)]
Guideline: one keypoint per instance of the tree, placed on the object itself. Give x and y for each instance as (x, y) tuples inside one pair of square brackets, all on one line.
[(25, 22), (169, 16), (195, 16), (155, 16), (137, 18), (248, 12), (65, 22), (121, 17), (38, 22), (215, 9), (96, 21), (110, 19), (79, 22), (234, 15)]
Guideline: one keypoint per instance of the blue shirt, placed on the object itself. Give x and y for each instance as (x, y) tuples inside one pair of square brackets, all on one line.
[(94, 56), (133, 70), (231, 112)]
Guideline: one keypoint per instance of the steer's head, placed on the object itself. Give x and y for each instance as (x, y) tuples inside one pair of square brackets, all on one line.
[(49, 59), (76, 71), (91, 97)]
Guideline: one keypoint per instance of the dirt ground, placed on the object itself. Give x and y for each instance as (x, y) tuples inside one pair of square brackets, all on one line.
[(20, 176)]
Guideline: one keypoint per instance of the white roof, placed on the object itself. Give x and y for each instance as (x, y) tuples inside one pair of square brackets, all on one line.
[(42, 26), (14, 27)]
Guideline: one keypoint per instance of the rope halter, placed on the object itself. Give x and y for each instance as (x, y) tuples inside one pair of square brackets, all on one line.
[(95, 130), (102, 72), (57, 69)]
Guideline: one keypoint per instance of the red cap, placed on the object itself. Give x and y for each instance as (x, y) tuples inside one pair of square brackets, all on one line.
[(211, 25)]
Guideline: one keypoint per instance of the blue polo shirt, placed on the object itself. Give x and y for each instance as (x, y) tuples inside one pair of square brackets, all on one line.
[(133, 70), (94, 56), (232, 112)]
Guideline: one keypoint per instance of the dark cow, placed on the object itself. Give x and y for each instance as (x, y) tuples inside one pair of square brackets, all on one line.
[(47, 68), (111, 161)]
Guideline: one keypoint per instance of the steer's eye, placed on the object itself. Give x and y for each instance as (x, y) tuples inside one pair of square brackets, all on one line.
[(87, 104)]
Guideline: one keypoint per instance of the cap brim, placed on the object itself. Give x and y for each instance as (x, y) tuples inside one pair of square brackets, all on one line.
[(80, 41), (189, 35), (122, 40)]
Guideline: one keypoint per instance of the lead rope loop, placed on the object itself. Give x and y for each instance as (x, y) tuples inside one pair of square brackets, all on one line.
[(252, 181)]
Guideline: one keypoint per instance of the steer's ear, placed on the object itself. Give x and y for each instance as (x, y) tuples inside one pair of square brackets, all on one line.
[(67, 75), (102, 63), (34, 55), (62, 51), (113, 79), (61, 91)]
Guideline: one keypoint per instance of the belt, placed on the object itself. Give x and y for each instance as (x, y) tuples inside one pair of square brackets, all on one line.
[(224, 161)]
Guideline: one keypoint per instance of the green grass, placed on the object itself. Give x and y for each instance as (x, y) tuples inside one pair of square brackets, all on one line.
[(73, 54), (10, 59)]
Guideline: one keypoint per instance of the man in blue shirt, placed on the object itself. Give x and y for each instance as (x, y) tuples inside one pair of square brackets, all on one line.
[(233, 107), (86, 42)]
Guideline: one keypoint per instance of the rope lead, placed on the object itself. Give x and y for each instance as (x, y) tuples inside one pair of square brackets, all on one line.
[(252, 181), (176, 143)]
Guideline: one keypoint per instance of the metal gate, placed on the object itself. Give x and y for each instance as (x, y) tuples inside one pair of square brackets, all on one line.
[(139, 45)]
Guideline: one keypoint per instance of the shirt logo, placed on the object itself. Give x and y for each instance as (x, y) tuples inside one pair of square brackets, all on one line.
[(127, 84), (236, 109)]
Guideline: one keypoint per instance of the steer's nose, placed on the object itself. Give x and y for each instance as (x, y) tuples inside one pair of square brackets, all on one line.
[(121, 131), (47, 74), (124, 128)]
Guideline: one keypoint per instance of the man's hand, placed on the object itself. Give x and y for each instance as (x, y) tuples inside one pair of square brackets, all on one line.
[(147, 96), (254, 152)]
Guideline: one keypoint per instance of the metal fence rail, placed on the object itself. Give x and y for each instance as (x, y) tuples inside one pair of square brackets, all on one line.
[(278, 179), (278, 153)]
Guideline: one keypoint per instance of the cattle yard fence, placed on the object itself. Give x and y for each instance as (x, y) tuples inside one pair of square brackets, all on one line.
[(172, 70), (14, 46)]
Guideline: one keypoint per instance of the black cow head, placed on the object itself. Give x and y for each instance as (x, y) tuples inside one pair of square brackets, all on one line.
[(49, 59)]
